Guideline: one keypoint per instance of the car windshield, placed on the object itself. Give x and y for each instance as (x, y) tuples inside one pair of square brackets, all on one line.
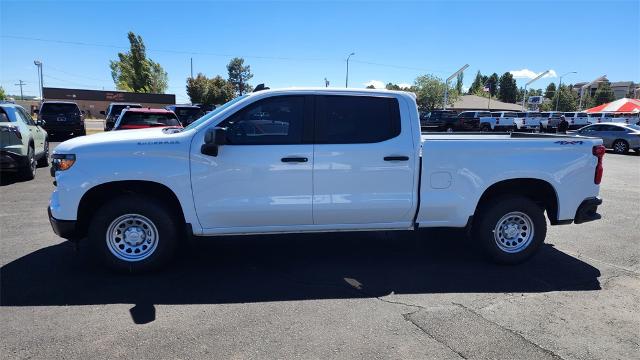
[(149, 119), (214, 112), (117, 109), (59, 108), (634, 127)]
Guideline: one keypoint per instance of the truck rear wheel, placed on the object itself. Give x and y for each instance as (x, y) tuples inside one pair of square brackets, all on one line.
[(133, 233), (510, 229)]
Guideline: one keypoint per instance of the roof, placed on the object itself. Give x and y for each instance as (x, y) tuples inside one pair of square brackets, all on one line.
[(479, 103), (620, 105), (149, 111)]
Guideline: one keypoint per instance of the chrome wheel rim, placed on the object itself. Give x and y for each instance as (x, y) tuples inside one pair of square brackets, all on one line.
[(132, 237), (620, 147), (32, 162), (513, 232)]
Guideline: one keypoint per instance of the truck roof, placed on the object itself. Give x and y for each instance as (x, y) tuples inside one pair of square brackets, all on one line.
[(149, 111), (336, 91)]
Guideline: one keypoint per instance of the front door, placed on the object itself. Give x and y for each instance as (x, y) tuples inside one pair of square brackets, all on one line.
[(261, 181)]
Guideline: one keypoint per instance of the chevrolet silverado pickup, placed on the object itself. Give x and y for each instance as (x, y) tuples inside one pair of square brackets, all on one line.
[(316, 160)]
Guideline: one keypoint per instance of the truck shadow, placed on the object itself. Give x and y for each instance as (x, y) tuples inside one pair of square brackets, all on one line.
[(291, 267)]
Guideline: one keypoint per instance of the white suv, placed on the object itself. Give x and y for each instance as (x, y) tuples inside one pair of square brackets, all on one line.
[(23, 143)]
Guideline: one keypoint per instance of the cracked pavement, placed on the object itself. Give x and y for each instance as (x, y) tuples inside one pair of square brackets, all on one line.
[(386, 295)]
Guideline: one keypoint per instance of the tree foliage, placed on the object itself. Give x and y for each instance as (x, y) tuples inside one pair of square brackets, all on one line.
[(392, 86), (239, 76), (550, 91), (459, 80), (604, 94), (508, 91), (477, 84), (214, 91), (492, 82), (429, 91), (370, 87), (3, 95), (133, 71), (566, 99)]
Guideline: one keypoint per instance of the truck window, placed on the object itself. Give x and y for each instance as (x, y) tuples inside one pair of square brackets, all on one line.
[(59, 108), (357, 119), (272, 121)]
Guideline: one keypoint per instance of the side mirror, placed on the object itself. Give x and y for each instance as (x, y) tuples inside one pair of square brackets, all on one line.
[(103, 113), (40, 122), (83, 112), (213, 138)]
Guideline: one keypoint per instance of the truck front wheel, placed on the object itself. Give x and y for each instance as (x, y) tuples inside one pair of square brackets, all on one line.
[(510, 229), (133, 233)]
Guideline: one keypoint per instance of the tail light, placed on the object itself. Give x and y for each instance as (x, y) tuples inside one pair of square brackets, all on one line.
[(598, 151), (12, 129)]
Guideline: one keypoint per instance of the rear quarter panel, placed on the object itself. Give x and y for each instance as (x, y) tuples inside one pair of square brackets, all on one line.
[(457, 171)]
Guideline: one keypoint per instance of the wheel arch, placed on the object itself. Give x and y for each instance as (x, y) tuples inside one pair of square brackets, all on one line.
[(538, 190), (98, 195)]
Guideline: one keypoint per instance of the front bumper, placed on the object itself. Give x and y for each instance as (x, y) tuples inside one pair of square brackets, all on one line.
[(588, 210), (66, 229), (12, 161)]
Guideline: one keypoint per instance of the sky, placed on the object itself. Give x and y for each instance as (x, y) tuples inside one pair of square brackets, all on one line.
[(300, 43)]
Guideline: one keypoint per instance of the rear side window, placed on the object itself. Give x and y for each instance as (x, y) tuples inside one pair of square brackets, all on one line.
[(3, 116), (149, 119), (483, 114), (356, 119), (59, 108)]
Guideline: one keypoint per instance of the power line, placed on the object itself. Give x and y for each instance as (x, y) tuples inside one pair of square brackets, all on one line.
[(21, 84)]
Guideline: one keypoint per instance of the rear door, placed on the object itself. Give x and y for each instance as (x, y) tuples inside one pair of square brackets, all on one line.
[(37, 134), (364, 162)]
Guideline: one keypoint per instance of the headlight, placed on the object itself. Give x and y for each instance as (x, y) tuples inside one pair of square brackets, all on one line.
[(62, 162)]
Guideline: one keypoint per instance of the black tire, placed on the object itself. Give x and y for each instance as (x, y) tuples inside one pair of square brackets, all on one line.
[(620, 146), (485, 128), (520, 247), (165, 223), (28, 172), (449, 129), (44, 160)]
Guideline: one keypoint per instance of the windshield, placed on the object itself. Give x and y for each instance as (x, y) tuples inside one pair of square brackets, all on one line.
[(148, 119), (117, 109), (214, 112), (59, 108), (634, 127)]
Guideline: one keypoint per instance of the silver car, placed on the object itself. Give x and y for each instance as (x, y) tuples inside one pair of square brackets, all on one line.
[(616, 136)]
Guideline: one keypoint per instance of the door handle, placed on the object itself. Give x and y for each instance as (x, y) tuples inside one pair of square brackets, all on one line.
[(396, 158), (294, 159)]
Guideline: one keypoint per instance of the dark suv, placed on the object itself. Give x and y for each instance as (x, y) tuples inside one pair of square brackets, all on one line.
[(186, 113), (113, 112), (61, 117), (440, 120), (470, 120)]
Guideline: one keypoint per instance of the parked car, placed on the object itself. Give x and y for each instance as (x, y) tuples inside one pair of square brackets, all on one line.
[(440, 120), (472, 118), (24, 144), (576, 120), (527, 121), (61, 117), (596, 118), (549, 121), (626, 118), (498, 121), (113, 112), (619, 137), (186, 113), (347, 160), (146, 118)]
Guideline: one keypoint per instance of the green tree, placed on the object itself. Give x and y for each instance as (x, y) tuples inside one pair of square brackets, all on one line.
[(603, 94), (429, 91), (477, 84), (550, 91), (3, 95), (508, 91), (372, 87), (214, 91), (492, 81), (459, 80), (134, 72), (239, 75), (566, 99)]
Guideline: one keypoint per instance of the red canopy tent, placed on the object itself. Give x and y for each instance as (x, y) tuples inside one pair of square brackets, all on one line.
[(623, 105)]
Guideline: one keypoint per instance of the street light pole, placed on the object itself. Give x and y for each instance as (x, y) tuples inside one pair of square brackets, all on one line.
[(588, 85), (346, 82), (560, 84), (446, 84), (524, 97), (38, 64)]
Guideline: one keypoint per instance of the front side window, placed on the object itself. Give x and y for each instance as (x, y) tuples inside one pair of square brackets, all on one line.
[(357, 119), (28, 119), (271, 121)]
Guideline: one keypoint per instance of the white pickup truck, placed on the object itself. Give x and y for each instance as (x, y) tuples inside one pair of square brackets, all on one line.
[(316, 160), (499, 121)]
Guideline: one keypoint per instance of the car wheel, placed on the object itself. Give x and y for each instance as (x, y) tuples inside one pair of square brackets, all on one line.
[(510, 229), (28, 172), (44, 160), (485, 128), (449, 130), (134, 234), (620, 146)]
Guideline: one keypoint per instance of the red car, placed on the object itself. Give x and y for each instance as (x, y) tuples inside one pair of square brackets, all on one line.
[(146, 118)]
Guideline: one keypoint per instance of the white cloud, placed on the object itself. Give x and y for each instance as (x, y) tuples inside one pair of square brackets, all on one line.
[(376, 84), (528, 74)]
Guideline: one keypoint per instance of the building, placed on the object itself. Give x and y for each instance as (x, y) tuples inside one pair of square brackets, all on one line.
[(620, 89), (474, 102), (94, 101)]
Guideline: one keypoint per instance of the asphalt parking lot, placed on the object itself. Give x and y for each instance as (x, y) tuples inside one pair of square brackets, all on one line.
[(386, 295)]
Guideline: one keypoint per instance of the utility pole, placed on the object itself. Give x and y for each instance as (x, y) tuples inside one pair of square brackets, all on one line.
[(346, 82), (21, 83)]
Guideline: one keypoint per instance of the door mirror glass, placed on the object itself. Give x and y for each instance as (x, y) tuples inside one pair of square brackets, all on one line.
[(213, 138)]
